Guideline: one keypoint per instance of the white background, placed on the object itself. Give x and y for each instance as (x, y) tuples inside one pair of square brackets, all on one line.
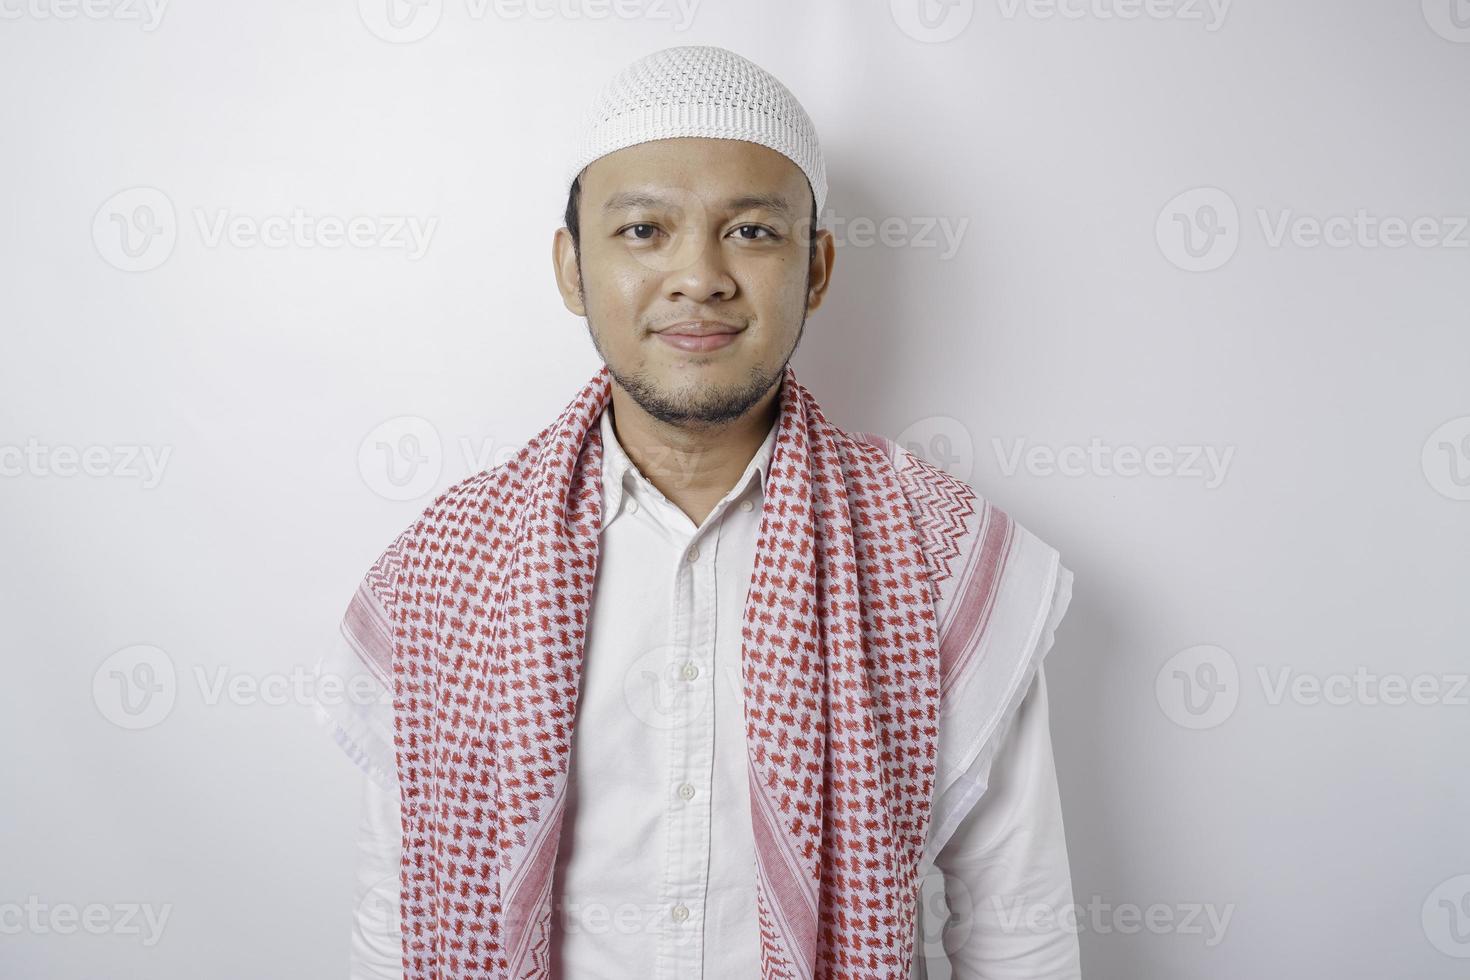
[(1055, 141)]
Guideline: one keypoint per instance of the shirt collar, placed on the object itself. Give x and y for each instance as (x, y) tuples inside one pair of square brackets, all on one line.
[(617, 468)]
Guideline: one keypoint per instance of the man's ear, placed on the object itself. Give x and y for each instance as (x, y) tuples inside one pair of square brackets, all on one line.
[(568, 275), (821, 269)]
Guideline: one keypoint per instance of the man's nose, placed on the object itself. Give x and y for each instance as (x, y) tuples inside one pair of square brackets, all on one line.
[(704, 276)]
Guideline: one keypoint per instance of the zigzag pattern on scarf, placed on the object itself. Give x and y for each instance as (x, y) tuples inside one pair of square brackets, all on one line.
[(942, 504)]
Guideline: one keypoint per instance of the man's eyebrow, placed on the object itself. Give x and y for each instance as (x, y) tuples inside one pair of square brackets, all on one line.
[(627, 200), (760, 202)]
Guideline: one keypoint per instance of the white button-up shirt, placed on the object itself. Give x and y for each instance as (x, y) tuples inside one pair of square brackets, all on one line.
[(655, 874)]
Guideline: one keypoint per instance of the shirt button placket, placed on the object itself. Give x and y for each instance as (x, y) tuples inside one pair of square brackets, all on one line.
[(693, 758)]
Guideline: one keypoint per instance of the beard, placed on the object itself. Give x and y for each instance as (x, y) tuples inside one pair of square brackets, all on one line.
[(711, 405)]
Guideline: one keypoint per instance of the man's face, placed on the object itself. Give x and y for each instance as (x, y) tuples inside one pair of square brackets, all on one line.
[(694, 232)]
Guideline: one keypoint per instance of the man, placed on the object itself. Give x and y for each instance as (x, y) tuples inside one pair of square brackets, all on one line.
[(695, 684)]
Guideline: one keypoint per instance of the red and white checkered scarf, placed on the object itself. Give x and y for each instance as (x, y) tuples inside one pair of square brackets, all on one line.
[(479, 611)]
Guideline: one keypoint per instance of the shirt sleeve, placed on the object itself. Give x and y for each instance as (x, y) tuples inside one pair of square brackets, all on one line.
[(377, 943), (355, 703), (1006, 875), (356, 706)]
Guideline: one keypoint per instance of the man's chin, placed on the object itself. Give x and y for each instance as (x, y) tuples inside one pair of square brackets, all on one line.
[(695, 393)]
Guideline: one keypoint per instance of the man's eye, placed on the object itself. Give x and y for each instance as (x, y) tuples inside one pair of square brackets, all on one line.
[(760, 228), (642, 238)]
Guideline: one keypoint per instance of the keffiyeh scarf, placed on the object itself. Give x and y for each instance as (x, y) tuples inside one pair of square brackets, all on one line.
[(893, 621)]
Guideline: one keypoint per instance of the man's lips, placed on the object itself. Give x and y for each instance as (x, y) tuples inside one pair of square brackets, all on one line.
[(699, 335), (700, 328)]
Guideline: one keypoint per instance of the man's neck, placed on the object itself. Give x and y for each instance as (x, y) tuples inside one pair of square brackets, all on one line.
[(692, 466)]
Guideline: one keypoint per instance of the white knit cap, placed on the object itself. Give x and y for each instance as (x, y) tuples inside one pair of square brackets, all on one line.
[(701, 90)]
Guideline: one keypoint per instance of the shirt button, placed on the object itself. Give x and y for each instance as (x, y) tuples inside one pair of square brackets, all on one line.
[(632, 506), (690, 671), (694, 553), (680, 913), (686, 791), (746, 505)]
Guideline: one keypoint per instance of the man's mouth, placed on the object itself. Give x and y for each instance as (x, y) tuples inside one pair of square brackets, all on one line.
[(699, 335)]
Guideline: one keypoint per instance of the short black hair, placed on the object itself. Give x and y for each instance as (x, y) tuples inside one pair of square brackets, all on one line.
[(574, 224)]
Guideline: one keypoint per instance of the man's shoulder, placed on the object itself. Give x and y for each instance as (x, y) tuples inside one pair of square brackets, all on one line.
[(943, 505), (969, 541), (918, 475), (474, 507), (934, 491), (492, 486)]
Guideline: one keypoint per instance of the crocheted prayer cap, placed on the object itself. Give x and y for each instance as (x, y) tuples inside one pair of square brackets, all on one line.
[(701, 90)]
